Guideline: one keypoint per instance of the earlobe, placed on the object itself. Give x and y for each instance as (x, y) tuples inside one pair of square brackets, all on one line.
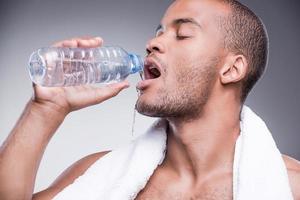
[(234, 70)]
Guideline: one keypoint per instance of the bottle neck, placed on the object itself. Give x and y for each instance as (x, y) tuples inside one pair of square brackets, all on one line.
[(137, 63)]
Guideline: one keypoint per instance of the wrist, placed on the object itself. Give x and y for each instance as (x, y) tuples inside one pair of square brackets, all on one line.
[(47, 110)]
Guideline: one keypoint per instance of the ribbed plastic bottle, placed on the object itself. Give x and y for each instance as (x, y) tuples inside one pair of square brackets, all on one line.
[(60, 66)]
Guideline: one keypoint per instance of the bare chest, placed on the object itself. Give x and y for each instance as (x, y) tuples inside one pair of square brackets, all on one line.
[(214, 194), (165, 190)]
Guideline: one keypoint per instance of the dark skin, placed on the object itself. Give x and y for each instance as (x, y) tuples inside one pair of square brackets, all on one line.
[(188, 172)]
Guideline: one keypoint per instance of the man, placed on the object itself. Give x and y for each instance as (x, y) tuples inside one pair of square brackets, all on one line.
[(207, 56)]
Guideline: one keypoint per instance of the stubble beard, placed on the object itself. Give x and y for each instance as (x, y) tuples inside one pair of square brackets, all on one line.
[(187, 100)]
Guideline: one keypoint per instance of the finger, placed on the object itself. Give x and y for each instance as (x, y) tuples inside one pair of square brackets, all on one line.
[(109, 91), (71, 41), (66, 43), (86, 37), (85, 41), (90, 43)]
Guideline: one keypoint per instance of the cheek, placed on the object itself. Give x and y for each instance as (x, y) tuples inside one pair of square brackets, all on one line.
[(176, 72), (183, 62), (188, 54)]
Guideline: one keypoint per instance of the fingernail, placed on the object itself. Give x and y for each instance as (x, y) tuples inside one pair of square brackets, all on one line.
[(97, 38)]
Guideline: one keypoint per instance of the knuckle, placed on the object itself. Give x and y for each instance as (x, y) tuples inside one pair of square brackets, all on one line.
[(75, 41)]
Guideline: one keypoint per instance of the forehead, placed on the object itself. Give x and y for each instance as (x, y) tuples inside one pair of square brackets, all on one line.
[(203, 11)]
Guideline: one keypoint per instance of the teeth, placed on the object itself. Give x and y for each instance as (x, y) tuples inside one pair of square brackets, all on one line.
[(152, 67)]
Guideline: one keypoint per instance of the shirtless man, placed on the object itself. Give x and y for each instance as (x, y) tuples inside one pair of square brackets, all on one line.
[(208, 63)]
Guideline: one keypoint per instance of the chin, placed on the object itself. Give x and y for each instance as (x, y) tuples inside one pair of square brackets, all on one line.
[(145, 107)]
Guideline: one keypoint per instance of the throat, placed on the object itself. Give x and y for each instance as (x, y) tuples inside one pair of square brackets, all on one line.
[(197, 151)]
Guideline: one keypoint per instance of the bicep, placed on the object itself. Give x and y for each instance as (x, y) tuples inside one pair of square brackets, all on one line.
[(68, 176)]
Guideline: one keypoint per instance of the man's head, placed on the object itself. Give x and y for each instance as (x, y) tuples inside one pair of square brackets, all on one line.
[(204, 50)]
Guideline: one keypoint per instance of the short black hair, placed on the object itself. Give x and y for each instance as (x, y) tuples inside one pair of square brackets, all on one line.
[(244, 33)]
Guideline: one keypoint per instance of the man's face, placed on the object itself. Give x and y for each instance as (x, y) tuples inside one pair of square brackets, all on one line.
[(186, 51)]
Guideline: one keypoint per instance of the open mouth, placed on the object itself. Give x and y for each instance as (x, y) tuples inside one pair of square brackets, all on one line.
[(151, 69)]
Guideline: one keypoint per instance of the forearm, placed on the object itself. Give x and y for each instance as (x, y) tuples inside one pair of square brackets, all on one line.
[(21, 153)]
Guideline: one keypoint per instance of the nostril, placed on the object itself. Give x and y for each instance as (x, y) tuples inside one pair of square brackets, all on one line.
[(152, 49), (148, 51), (155, 48)]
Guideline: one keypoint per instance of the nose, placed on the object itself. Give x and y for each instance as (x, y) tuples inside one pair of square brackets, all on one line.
[(155, 45)]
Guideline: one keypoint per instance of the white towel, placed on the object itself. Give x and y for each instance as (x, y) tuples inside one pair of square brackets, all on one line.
[(259, 172)]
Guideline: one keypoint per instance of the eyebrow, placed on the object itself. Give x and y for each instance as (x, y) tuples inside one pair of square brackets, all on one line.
[(185, 21), (178, 22)]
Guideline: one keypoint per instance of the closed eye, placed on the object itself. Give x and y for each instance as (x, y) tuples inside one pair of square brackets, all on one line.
[(181, 37)]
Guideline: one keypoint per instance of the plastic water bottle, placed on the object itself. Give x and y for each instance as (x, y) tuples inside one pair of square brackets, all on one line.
[(59, 66)]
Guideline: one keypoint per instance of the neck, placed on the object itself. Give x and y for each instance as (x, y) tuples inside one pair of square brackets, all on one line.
[(197, 148)]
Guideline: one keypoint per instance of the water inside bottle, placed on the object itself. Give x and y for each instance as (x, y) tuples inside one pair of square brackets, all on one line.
[(78, 71)]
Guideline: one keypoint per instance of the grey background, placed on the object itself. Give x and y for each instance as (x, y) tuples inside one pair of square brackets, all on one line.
[(28, 25)]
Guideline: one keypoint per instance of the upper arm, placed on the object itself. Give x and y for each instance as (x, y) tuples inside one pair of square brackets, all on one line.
[(293, 168), (68, 176)]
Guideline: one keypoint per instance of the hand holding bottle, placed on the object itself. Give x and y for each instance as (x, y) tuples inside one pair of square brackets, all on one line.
[(67, 99)]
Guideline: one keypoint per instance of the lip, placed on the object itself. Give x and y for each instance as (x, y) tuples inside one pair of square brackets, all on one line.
[(142, 85)]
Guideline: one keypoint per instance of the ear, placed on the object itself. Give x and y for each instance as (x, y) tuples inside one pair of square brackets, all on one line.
[(234, 69)]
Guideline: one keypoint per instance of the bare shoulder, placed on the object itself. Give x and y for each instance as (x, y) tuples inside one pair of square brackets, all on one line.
[(68, 176), (293, 168)]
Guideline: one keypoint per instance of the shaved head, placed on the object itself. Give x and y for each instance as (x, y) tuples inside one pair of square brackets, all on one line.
[(244, 33)]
